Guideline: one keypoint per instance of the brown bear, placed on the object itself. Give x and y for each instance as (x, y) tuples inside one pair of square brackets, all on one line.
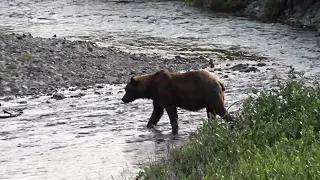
[(191, 90)]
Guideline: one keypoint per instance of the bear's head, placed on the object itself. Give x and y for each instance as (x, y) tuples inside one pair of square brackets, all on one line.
[(133, 90)]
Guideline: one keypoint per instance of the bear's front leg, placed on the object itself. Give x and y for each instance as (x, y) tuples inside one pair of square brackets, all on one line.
[(156, 114), (173, 116), (210, 114)]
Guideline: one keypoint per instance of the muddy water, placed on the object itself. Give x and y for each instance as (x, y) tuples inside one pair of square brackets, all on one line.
[(96, 136)]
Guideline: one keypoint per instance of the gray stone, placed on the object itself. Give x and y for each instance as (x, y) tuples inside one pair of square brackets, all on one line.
[(261, 64), (58, 96)]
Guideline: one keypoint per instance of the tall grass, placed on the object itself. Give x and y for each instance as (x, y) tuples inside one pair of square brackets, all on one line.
[(276, 136)]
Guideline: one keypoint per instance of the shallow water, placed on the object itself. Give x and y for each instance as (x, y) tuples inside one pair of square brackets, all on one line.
[(93, 137), (165, 28), (96, 136)]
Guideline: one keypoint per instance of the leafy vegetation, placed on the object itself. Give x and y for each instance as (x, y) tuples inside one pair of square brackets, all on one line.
[(219, 5), (276, 136), (272, 9), (317, 18)]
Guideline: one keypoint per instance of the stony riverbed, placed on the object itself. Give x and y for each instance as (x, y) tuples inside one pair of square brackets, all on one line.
[(36, 65), (67, 78)]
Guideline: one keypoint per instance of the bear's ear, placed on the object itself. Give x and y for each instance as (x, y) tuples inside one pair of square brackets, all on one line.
[(133, 81)]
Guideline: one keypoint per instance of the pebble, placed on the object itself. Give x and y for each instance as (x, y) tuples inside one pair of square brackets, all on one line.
[(22, 102), (239, 67), (99, 86), (78, 95), (250, 69), (244, 68), (58, 96), (6, 99), (211, 63), (261, 64)]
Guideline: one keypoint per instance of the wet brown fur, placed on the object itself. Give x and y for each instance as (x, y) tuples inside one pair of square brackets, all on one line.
[(192, 90)]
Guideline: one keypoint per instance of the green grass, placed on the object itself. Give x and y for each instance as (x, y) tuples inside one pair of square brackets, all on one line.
[(276, 137), (317, 18), (219, 5), (272, 9)]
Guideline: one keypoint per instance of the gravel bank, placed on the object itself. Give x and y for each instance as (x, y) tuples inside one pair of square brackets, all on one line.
[(32, 65)]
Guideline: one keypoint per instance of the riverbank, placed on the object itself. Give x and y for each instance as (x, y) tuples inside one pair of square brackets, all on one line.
[(40, 66), (302, 14), (32, 65), (276, 136)]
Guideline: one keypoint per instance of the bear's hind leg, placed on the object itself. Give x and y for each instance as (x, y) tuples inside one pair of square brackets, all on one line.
[(156, 115), (173, 116)]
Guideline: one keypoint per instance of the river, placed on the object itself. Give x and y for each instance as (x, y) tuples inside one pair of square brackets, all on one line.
[(96, 136)]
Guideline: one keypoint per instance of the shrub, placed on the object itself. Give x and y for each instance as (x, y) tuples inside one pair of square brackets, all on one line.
[(272, 9)]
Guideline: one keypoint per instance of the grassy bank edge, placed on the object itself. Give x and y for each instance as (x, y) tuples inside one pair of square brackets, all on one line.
[(276, 136)]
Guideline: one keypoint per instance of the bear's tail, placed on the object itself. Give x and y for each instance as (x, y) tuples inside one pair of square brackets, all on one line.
[(222, 86)]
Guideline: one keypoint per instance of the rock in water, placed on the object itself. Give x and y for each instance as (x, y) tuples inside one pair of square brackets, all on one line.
[(261, 64), (58, 96), (239, 67), (250, 69)]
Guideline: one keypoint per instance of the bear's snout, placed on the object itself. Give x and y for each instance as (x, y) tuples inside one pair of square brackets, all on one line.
[(125, 99)]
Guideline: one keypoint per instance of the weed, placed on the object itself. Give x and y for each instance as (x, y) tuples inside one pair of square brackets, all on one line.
[(26, 57)]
